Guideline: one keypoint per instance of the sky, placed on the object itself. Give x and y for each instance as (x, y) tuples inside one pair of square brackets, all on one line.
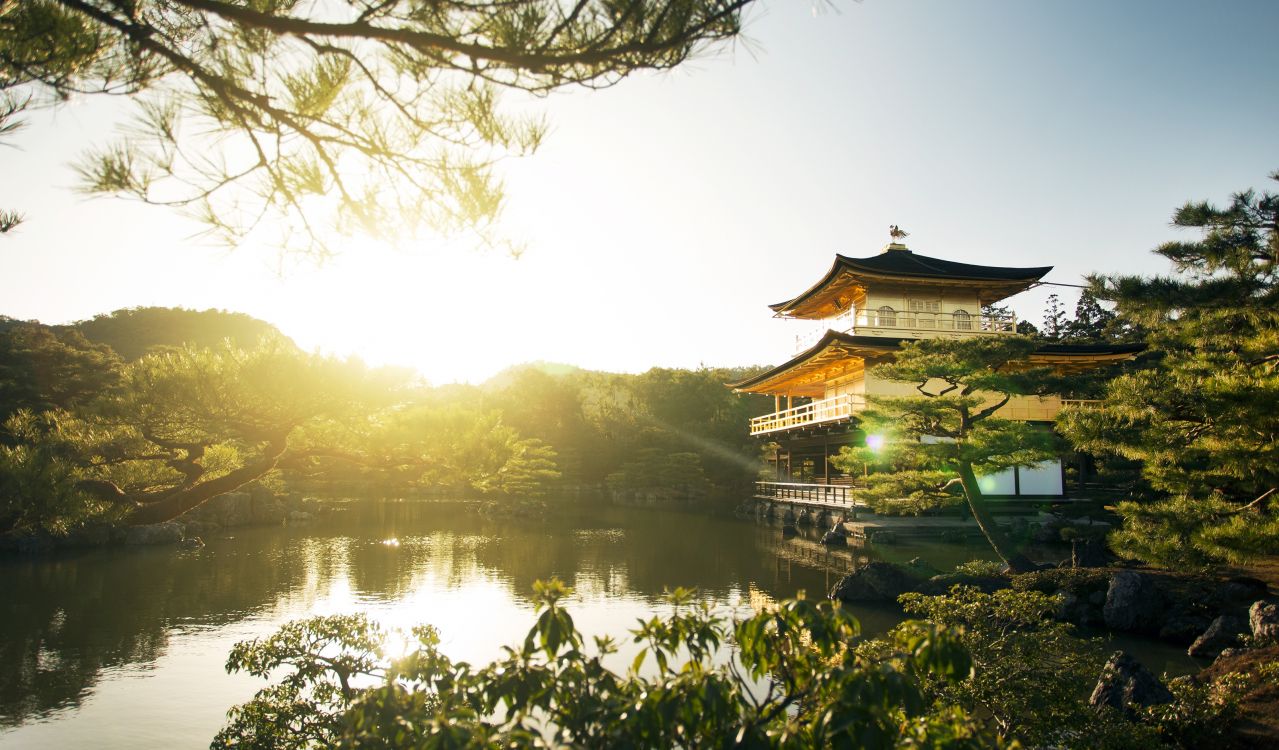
[(661, 216)]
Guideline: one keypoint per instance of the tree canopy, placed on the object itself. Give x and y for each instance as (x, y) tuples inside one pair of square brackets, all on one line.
[(306, 119), (1203, 421)]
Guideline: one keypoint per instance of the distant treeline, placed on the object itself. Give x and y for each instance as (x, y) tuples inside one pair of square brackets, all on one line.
[(666, 435)]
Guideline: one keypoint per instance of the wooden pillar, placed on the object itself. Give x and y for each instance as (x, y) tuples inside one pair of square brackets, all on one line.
[(790, 401), (777, 402), (826, 459)]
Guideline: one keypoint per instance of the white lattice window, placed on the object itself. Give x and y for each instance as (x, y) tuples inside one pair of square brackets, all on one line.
[(887, 317), (963, 321), (923, 305)]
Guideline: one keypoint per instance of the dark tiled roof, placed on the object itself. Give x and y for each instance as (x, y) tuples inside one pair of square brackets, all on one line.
[(905, 263), (909, 265)]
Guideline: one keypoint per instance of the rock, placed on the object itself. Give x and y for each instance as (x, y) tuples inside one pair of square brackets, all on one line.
[(1223, 633), (300, 516), (1227, 653), (168, 532), (228, 510), (875, 582), (1125, 683), (266, 509), (1183, 628), (833, 538), (1080, 610), (1132, 602), (191, 542), (1263, 621), (789, 530), (922, 567)]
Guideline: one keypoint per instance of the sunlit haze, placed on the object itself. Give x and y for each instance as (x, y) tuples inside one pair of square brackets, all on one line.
[(662, 215)]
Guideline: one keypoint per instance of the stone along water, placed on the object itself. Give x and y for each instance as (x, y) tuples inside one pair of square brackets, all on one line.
[(124, 648)]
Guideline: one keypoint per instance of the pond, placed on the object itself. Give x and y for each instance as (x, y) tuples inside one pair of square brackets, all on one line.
[(125, 647)]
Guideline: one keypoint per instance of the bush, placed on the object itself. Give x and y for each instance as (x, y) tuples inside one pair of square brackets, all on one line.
[(790, 682)]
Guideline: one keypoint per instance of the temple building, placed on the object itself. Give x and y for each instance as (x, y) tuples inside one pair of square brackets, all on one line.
[(857, 315)]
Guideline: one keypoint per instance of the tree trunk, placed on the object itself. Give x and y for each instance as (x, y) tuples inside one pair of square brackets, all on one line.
[(1016, 562), (181, 501)]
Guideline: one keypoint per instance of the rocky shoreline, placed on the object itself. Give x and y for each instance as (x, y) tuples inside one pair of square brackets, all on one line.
[(1205, 614)]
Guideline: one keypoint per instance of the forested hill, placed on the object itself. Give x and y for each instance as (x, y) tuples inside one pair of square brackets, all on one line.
[(131, 332)]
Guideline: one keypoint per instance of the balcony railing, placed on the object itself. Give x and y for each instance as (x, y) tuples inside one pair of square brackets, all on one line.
[(831, 495), (900, 320), (815, 412)]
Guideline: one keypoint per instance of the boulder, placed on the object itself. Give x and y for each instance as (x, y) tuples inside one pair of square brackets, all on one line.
[(1080, 610), (266, 509), (168, 532), (1263, 621), (833, 538), (1223, 633), (227, 510), (300, 516), (1125, 683), (1132, 602), (874, 582)]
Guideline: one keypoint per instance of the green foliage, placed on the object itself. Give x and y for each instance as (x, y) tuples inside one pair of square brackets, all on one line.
[(40, 474), (1202, 420), (324, 660), (668, 476), (1201, 713), (1183, 532), (306, 123), (983, 568), (793, 683), (1030, 673), (663, 429), (42, 368)]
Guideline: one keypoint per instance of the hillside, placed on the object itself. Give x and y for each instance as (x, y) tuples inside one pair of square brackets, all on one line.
[(131, 332)]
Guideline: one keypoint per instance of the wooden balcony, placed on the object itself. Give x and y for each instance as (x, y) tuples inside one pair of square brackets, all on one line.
[(906, 323), (831, 409)]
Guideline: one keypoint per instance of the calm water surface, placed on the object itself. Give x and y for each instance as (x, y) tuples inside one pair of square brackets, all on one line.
[(124, 648)]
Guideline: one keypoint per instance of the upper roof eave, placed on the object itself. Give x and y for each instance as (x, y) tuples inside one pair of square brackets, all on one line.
[(883, 344), (906, 265), (870, 343)]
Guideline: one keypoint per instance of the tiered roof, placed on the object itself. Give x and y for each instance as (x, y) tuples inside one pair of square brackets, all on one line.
[(897, 264)]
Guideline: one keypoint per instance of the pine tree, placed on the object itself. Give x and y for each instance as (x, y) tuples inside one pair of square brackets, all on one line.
[(1054, 319), (1205, 421), (949, 434), (1092, 322)]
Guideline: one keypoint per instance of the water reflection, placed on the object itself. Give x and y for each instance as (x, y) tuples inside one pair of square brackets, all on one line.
[(80, 636)]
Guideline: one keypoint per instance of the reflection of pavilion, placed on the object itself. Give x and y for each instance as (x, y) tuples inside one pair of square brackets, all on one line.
[(860, 312)]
